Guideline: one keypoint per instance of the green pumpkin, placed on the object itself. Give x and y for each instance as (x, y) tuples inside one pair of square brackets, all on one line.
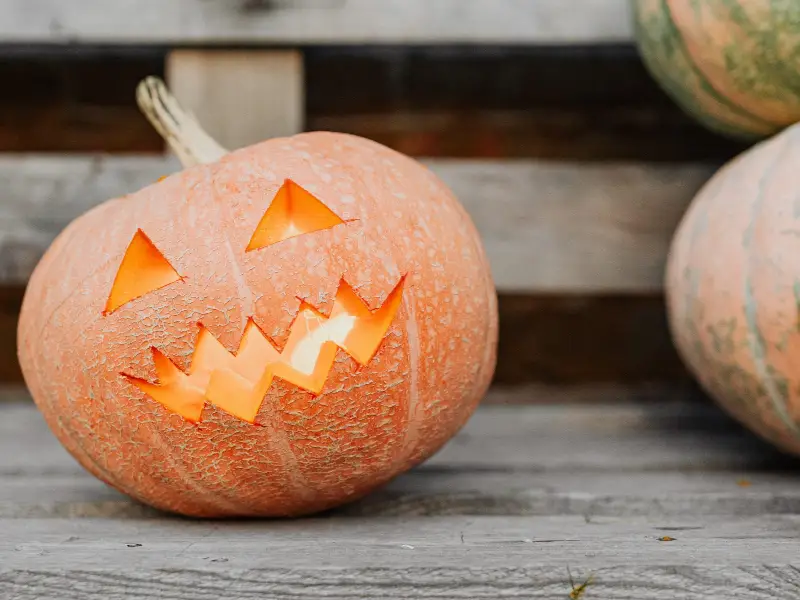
[(734, 65)]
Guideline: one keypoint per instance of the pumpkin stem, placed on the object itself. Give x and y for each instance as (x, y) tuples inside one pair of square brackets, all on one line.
[(176, 125)]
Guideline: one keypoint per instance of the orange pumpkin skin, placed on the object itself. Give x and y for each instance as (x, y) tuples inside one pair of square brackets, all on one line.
[(733, 288), (304, 453)]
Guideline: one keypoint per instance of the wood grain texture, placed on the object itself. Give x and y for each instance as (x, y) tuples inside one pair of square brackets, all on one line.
[(480, 102), (575, 227), (595, 133), (467, 524), (437, 492), (584, 338), (588, 103), (309, 545), (314, 22), (75, 101), (547, 227), (10, 305), (556, 435), (240, 97), (552, 433), (683, 581)]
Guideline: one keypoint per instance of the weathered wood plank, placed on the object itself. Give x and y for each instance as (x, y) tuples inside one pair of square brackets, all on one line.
[(570, 226), (434, 491), (593, 133), (505, 511), (425, 101), (373, 541), (10, 304), (447, 557), (75, 102), (185, 544), (240, 97), (618, 582), (571, 339), (559, 436), (547, 227), (315, 22)]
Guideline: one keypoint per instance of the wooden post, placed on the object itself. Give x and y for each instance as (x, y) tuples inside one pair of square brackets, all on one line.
[(240, 97)]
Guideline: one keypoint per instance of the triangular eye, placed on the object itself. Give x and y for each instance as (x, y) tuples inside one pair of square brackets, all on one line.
[(143, 270), (293, 211)]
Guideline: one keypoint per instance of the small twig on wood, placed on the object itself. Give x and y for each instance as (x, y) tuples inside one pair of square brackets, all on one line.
[(578, 591)]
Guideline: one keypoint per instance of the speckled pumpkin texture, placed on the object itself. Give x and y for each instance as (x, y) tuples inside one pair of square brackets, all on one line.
[(732, 64), (304, 453), (733, 288)]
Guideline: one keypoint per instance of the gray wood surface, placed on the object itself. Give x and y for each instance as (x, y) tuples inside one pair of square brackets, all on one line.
[(547, 226), (315, 21), (520, 496)]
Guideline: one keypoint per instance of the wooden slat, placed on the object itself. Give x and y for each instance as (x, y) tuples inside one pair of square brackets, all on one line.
[(519, 501), (553, 227), (315, 21), (547, 227), (571, 339), (457, 558), (240, 97), (695, 454), (468, 557), (591, 133), (559, 429), (479, 102), (76, 102), (432, 492), (10, 304)]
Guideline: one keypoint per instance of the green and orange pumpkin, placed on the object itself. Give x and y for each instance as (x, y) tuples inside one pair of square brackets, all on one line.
[(734, 65), (733, 288), (272, 331)]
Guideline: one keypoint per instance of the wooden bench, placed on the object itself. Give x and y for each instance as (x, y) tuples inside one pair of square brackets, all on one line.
[(593, 469), (663, 499)]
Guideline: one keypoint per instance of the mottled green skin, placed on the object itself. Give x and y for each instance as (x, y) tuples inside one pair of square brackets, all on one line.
[(734, 65), (733, 288)]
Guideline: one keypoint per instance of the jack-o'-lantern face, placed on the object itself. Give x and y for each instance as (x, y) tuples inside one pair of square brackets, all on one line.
[(238, 382), (272, 333)]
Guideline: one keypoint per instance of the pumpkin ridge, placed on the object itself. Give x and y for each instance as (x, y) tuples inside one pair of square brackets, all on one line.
[(68, 297), (404, 450), (411, 433), (226, 216), (673, 88), (205, 495), (705, 83), (756, 345), (277, 440), (73, 445)]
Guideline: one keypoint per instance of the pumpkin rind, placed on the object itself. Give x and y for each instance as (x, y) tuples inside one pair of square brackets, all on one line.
[(305, 453), (732, 65), (733, 288)]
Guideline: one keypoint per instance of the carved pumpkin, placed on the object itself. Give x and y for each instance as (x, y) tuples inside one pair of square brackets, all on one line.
[(733, 288), (272, 331)]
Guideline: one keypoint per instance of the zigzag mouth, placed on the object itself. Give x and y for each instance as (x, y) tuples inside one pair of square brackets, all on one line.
[(237, 383)]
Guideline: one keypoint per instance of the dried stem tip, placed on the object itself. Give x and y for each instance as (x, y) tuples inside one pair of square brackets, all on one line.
[(176, 125)]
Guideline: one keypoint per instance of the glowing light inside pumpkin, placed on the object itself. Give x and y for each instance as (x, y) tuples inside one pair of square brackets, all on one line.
[(293, 211), (237, 383), (143, 270)]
